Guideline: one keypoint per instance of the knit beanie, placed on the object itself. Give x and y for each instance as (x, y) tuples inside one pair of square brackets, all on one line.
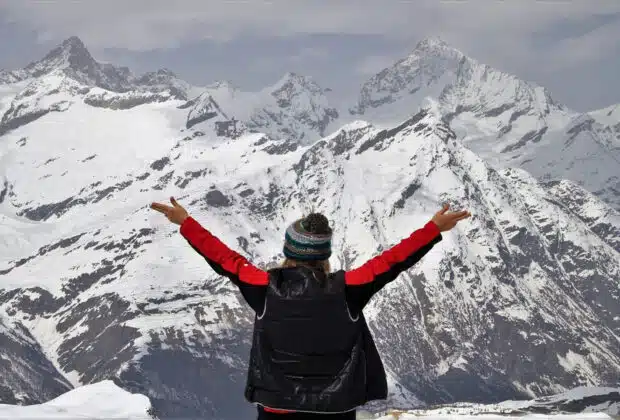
[(308, 238)]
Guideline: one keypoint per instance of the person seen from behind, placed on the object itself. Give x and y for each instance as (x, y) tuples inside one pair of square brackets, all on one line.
[(312, 355)]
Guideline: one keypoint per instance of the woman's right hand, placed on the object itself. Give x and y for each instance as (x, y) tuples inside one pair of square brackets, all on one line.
[(446, 221), (175, 213)]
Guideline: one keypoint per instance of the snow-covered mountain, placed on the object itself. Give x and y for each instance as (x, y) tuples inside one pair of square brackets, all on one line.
[(577, 400), (73, 60), (105, 400), (508, 121), (68, 74), (532, 273), (609, 116), (26, 374), (519, 301), (102, 400), (578, 404), (461, 85), (295, 108), (458, 414), (584, 151)]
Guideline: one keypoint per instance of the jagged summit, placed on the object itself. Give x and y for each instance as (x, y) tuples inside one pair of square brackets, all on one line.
[(431, 66), (161, 73), (432, 42), (302, 99), (71, 53), (292, 81), (437, 72), (222, 84), (291, 75), (73, 59), (293, 108), (436, 46), (72, 46), (507, 120), (73, 42)]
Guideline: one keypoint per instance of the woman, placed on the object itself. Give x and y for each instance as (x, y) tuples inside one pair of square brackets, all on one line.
[(312, 353)]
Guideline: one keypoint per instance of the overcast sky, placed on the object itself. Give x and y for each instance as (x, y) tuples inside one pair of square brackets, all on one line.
[(570, 47)]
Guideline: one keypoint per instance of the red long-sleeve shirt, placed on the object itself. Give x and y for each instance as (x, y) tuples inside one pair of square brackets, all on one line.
[(361, 283)]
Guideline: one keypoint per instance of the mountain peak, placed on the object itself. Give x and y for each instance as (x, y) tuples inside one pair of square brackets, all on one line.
[(73, 43), (71, 53), (222, 84), (436, 46), (293, 82), (290, 76), (432, 42), (165, 72), (71, 49), (461, 84), (295, 76)]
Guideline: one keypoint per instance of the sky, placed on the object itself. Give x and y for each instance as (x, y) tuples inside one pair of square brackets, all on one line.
[(570, 47)]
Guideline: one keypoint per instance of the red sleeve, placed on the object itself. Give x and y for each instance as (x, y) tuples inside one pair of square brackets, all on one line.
[(226, 262), (366, 280), (394, 257)]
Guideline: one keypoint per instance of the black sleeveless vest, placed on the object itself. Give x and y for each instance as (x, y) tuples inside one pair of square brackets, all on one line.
[(308, 352)]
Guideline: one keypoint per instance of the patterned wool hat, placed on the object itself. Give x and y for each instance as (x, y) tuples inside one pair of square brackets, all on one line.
[(301, 243)]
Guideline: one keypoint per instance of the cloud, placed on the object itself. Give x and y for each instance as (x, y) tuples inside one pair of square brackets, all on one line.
[(309, 53), (587, 47), (510, 35), (537, 40), (148, 24)]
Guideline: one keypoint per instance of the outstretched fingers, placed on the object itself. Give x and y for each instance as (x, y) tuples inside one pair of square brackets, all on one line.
[(461, 215), (162, 208)]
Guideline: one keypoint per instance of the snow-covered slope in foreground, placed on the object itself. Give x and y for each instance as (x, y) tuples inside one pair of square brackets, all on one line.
[(105, 400), (578, 403), (102, 400), (456, 415), (577, 400)]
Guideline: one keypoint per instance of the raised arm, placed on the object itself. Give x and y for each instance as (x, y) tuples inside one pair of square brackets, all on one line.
[(251, 280), (222, 259), (366, 280)]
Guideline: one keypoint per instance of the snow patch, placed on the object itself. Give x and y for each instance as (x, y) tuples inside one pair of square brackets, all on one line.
[(102, 400)]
